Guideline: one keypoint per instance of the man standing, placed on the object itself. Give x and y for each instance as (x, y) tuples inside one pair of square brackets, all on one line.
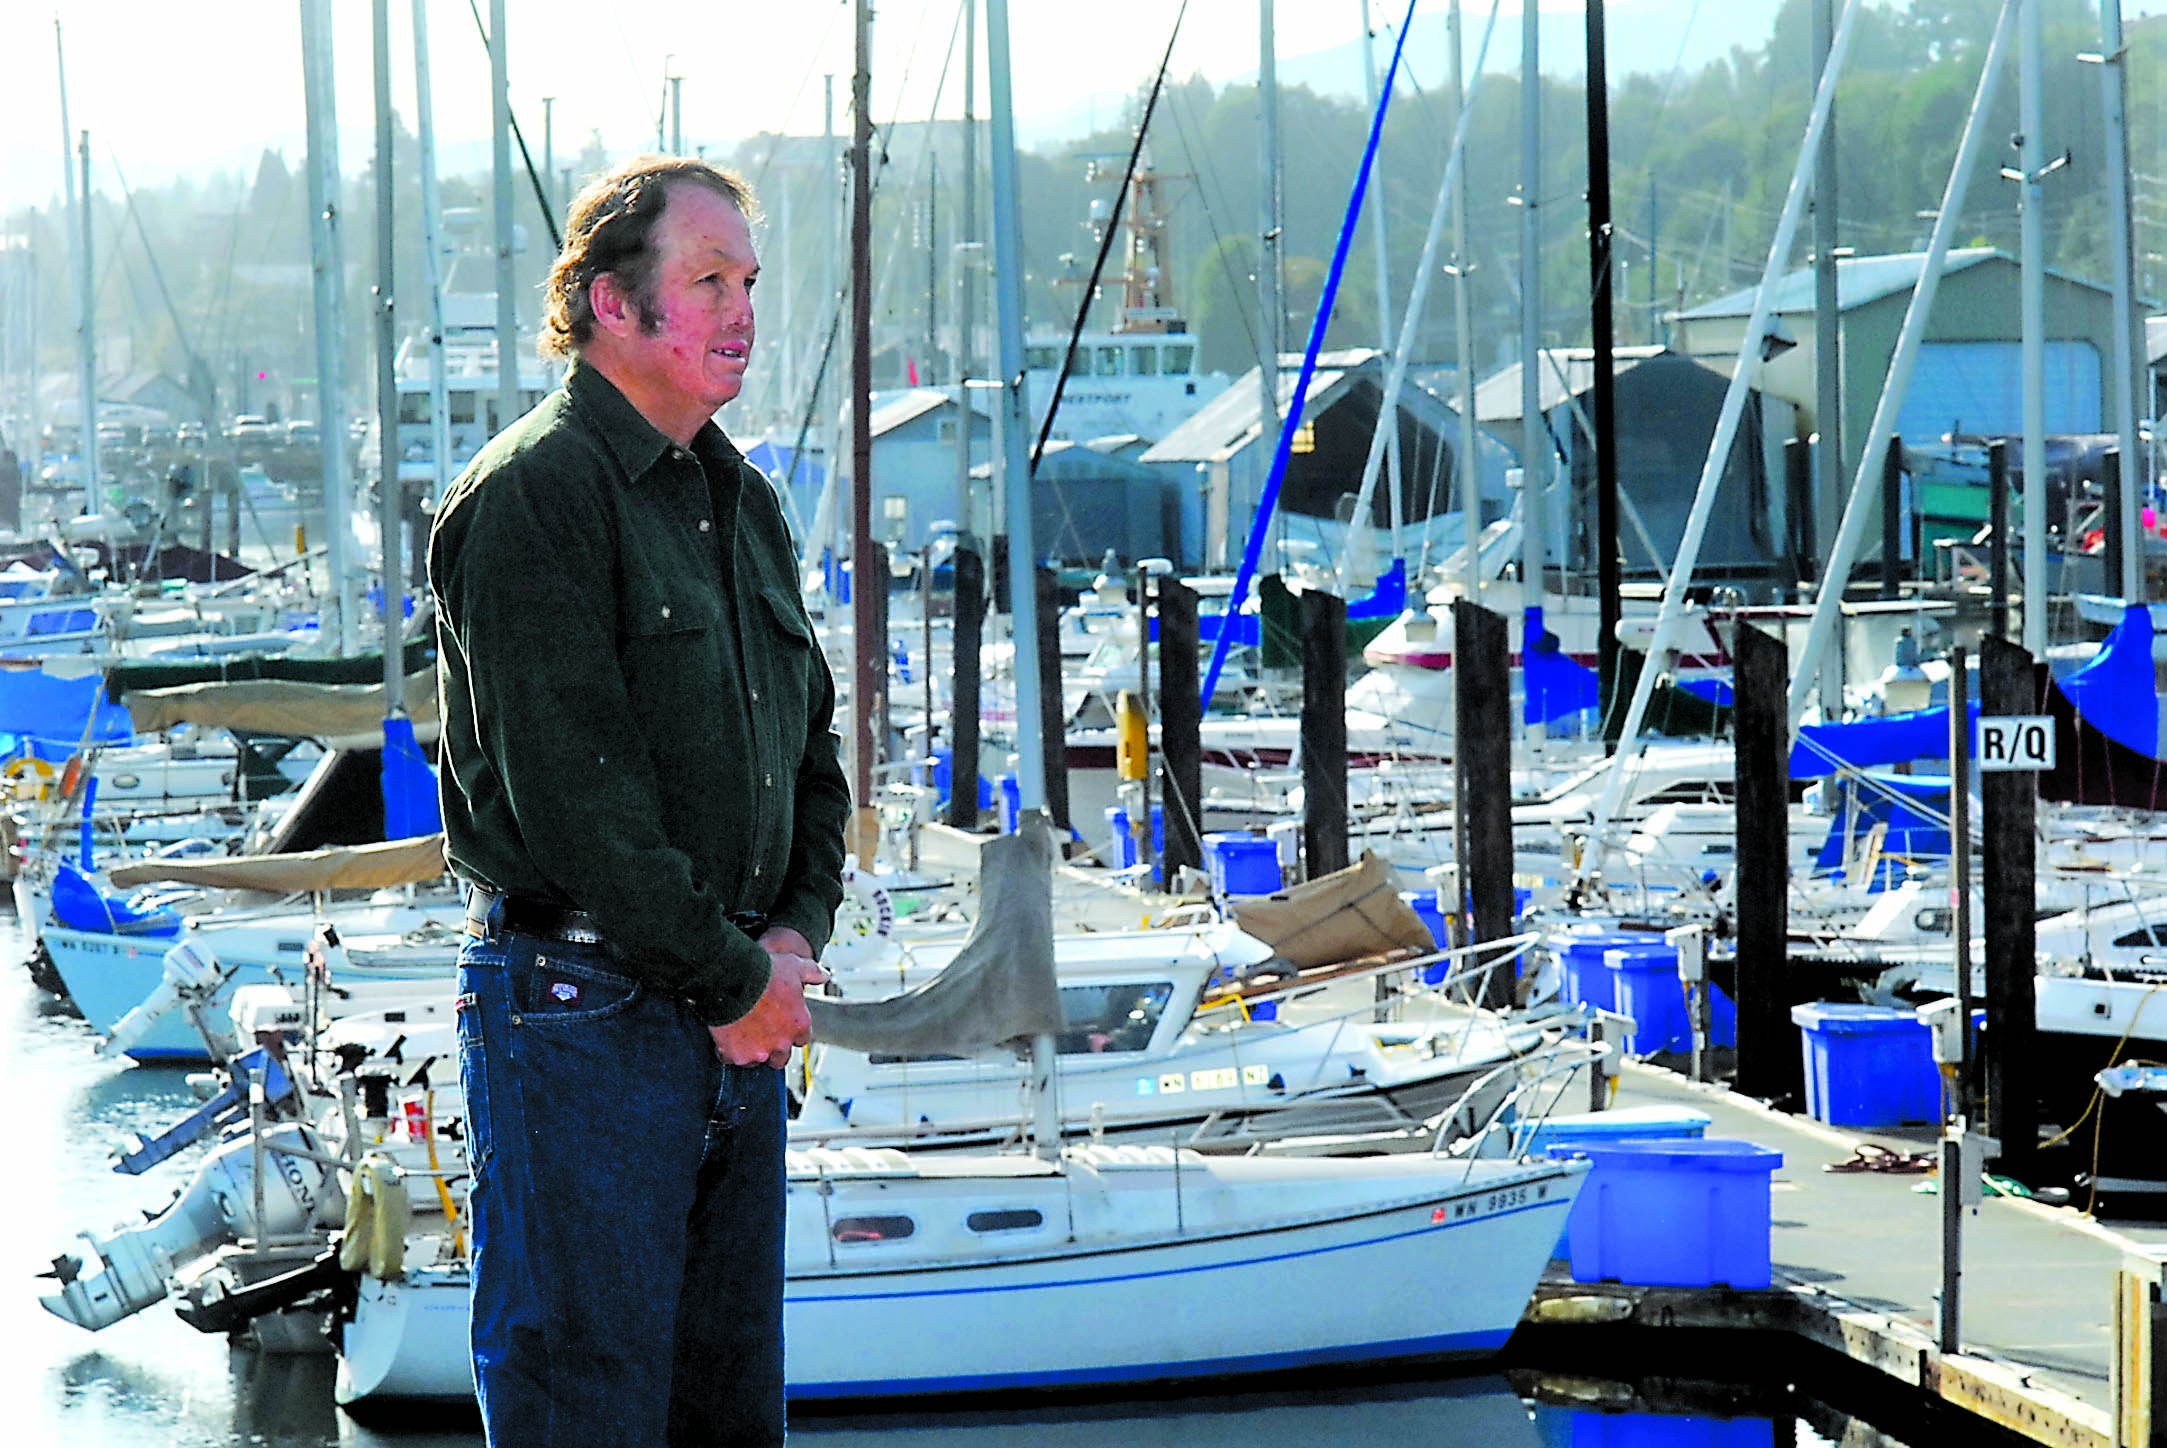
[(641, 785)]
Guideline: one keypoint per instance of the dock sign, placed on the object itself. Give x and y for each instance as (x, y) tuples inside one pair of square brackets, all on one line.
[(2010, 742)]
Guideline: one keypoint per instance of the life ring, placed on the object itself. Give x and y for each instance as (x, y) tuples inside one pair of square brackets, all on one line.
[(28, 777), (865, 919)]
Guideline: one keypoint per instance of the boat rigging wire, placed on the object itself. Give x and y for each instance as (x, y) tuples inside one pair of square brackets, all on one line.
[(534, 177), (1267, 502)]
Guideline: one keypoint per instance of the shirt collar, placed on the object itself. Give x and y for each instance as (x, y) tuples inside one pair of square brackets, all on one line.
[(637, 443)]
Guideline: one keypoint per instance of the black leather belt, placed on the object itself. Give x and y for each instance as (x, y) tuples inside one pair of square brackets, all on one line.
[(529, 917)]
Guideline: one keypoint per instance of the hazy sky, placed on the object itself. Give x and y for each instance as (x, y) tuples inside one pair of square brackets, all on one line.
[(168, 88)]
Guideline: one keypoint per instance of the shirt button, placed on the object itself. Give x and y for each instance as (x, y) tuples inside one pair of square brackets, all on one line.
[(767, 779), (756, 696), (680, 454), (705, 525), (756, 871), (665, 610)]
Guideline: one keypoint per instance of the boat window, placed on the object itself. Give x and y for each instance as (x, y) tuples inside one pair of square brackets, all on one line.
[(1042, 359), (2150, 935), (873, 1229), (1144, 361), (1113, 1017), (1109, 362), (414, 407), (529, 397), (1177, 358), (462, 407), (1009, 1221)]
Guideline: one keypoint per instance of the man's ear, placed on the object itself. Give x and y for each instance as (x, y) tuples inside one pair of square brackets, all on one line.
[(613, 306)]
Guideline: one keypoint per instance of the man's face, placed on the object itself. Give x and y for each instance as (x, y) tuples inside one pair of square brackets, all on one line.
[(695, 320)]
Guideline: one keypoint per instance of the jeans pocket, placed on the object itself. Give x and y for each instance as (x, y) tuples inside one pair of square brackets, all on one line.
[(563, 990)]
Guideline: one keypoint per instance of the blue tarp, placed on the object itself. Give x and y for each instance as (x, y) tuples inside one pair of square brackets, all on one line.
[(2114, 691), (77, 905), (410, 807)]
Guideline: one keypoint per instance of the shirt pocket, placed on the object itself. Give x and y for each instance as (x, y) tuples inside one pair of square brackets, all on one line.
[(790, 662)]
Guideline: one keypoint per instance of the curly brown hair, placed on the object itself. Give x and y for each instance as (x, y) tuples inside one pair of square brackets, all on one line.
[(612, 223)]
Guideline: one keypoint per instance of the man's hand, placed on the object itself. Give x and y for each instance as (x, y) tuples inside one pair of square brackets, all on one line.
[(778, 1020)]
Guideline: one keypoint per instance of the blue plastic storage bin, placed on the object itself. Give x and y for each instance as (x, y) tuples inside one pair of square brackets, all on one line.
[(1011, 804), (943, 772), (1673, 1213), (1868, 1065), (1626, 1123), (1242, 864), (1584, 976), (1645, 984)]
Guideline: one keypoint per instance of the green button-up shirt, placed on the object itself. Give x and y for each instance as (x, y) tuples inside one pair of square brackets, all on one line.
[(637, 721)]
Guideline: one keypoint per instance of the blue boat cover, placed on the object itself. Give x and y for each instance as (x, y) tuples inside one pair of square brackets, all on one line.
[(1862, 743), (410, 807), (53, 718), (1387, 598), (78, 905), (1906, 804), (2114, 690), (1555, 687)]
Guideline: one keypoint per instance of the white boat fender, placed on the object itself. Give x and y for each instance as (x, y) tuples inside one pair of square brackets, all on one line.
[(866, 918), (377, 1212)]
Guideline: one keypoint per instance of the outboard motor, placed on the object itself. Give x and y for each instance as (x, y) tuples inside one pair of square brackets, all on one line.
[(217, 1207), (191, 981)]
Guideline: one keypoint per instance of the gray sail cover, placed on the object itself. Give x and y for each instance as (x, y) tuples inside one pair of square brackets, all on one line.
[(1000, 987)]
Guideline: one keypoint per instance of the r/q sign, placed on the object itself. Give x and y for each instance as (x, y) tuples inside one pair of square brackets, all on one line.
[(2005, 742)]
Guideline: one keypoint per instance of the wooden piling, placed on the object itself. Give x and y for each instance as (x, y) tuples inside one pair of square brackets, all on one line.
[(1803, 555), (2009, 684), (1482, 780), (970, 613), (1181, 719), (1052, 718), (1324, 731), (1769, 1064)]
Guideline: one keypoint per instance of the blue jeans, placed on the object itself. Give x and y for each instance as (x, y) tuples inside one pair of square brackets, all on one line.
[(627, 1209)]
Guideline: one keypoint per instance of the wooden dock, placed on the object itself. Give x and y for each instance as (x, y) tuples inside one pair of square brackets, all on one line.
[(1857, 1271)]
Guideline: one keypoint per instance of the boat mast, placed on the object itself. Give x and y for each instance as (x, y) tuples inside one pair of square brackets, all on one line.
[(1828, 357), (500, 143), (389, 495), (868, 591), (1463, 341), (1015, 415), (1534, 441), (432, 248), (1387, 421), (86, 342), (2032, 299), (965, 249), (87, 347), (328, 265), (1268, 224), (2128, 365), (1609, 578)]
